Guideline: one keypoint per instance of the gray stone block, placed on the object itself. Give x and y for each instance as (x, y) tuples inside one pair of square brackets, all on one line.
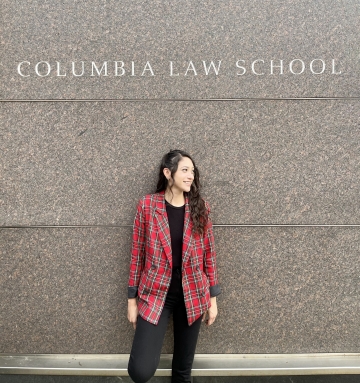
[(244, 36), (284, 290), (274, 162), (64, 290)]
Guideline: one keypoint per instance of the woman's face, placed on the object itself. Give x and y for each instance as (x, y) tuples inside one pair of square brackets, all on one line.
[(183, 177)]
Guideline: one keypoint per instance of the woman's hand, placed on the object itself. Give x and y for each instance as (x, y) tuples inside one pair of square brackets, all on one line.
[(211, 313), (132, 311)]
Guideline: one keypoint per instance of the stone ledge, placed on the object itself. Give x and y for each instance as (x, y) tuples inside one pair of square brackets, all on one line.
[(204, 364)]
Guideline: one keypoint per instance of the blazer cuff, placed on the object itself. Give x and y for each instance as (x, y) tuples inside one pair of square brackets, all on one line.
[(215, 290), (132, 291)]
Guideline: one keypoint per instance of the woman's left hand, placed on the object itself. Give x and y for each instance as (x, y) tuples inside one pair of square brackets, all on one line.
[(211, 313)]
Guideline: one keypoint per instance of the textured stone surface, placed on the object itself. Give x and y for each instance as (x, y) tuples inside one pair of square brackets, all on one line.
[(293, 290), (64, 290), (160, 32), (273, 162), (286, 290)]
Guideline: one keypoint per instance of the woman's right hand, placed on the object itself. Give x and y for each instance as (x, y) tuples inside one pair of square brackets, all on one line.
[(132, 311)]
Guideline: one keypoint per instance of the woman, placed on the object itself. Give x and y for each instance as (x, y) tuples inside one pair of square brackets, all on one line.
[(172, 270)]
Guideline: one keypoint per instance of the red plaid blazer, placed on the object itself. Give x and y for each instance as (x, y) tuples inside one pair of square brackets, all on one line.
[(151, 261)]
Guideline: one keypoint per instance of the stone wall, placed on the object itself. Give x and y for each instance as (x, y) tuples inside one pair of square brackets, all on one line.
[(264, 94)]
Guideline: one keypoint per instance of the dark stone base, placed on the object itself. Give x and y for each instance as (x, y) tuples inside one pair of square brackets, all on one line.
[(196, 379)]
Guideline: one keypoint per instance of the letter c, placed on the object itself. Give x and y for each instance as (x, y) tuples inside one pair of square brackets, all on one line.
[(19, 68), (253, 67)]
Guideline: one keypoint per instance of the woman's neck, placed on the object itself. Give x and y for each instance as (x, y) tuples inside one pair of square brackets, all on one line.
[(175, 199)]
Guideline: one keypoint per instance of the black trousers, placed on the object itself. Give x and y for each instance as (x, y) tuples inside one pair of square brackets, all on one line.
[(148, 340)]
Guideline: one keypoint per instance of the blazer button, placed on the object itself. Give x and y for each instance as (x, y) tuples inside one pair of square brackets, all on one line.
[(146, 292), (153, 267), (197, 267)]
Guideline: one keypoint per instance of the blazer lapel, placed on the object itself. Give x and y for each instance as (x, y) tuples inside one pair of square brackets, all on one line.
[(163, 226), (187, 238)]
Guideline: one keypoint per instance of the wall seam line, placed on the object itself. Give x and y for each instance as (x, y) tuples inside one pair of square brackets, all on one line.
[(189, 100), (128, 225)]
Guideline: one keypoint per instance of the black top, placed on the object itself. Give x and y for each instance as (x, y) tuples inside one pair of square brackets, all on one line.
[(176, 217)]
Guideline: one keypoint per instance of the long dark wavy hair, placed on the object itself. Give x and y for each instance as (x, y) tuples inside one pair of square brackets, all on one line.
[(198, 211)]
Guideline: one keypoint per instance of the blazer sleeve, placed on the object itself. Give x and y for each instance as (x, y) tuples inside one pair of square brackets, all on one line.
[(137, 251), (210, 258)]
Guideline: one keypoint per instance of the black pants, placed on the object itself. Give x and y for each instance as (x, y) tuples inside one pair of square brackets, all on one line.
[(148, 340)]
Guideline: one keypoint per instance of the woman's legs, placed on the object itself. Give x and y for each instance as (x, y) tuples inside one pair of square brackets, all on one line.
[(146, 348), (148, 339), (185, 339)]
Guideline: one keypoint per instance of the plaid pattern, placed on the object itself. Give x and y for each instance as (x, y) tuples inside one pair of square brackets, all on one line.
[(151, 261)]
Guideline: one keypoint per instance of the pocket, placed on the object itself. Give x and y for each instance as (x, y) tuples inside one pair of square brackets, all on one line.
[(145, 282), (205, 280)]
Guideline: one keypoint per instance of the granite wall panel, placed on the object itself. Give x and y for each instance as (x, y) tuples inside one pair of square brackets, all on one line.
[(64, 290), (273, 162), (268, 160), (285, 290), (47, 37)]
